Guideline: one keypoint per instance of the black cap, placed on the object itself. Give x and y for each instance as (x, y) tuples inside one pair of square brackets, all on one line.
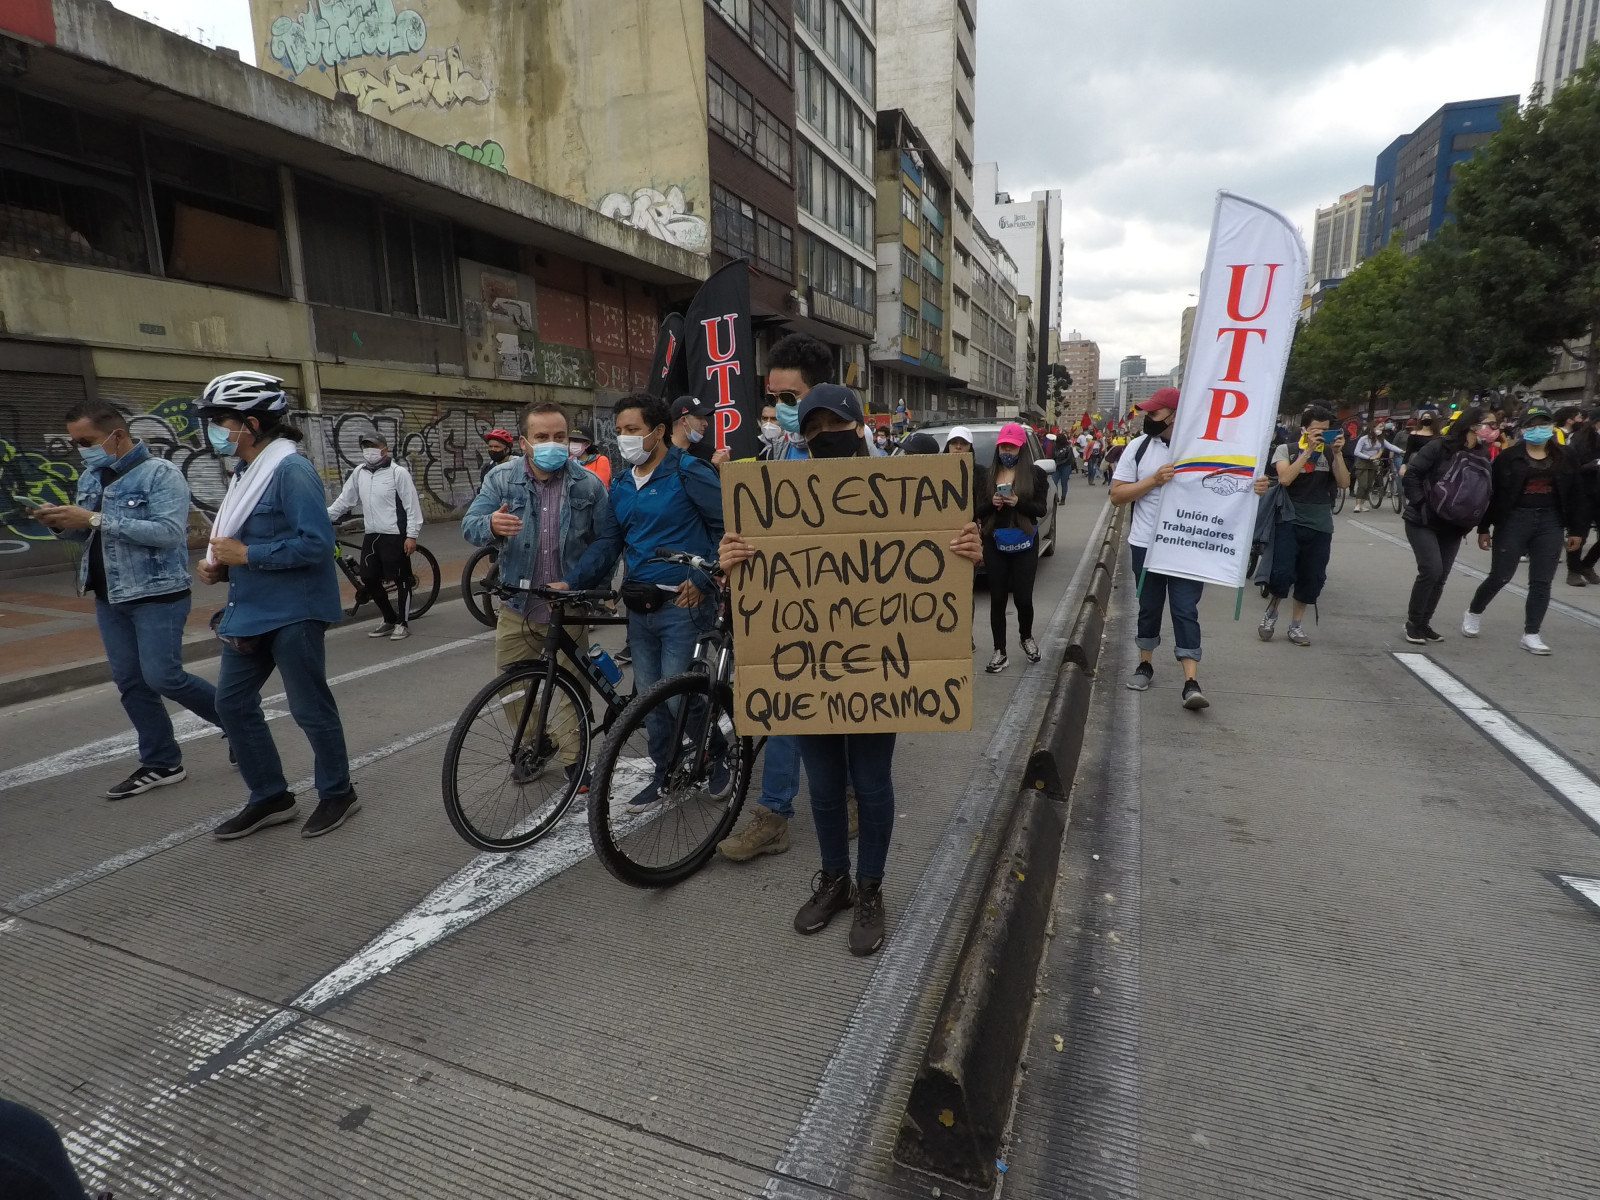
[(920, 443), (691, 406), (372, 439), (1536, 412), (834, 398)]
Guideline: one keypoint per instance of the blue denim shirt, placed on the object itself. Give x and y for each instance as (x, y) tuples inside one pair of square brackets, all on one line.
[(289, 574), (589, 534), (144, 527), (680, 508)]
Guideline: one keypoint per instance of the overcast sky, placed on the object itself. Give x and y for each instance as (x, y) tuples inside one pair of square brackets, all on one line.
[(1139, 110)]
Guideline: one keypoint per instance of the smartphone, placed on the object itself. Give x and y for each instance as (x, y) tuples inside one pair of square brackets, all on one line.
[(24, 502), (1329, 436), (1002, 489)]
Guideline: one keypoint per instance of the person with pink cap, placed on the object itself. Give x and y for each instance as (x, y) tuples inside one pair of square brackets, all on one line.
[(1013, 496)]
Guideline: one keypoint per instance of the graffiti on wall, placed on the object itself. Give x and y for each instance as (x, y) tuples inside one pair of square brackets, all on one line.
[(491, 154), (663, 215), (332, 33), (29, 478)]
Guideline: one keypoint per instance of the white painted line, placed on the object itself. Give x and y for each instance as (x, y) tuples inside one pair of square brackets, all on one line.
[(1516, 589), (1586, 889), (177, 837), (822, 1148), (187, 727), (1563, 777)]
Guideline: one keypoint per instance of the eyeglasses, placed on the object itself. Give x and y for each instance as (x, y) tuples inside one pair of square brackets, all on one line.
[(783, 398)]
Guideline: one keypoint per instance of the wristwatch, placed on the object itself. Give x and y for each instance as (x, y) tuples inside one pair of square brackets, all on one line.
[(95, 519)]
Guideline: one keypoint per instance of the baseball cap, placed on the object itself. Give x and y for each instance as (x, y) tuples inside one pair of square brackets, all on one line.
[(372, 439), (920, 443), (1166, 397), (831, 397), (1011, 434), (1536, 412), (961, 432), (690, 406)]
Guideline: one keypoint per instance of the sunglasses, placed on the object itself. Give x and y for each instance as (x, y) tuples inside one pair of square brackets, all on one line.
[(783, 398)]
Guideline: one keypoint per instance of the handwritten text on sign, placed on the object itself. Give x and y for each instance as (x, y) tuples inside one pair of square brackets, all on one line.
[(853, 616)]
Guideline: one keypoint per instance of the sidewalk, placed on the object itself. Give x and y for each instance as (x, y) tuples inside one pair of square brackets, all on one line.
[(49, 641)]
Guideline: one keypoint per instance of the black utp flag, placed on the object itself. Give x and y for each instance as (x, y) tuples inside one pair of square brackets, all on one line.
[(669, 377), (721, 359)]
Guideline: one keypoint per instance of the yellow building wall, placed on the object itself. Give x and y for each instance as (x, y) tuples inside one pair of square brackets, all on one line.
[(600, 101)]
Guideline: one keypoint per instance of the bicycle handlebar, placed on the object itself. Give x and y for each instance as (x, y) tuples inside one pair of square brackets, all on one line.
[(682, 558), (558, 595)]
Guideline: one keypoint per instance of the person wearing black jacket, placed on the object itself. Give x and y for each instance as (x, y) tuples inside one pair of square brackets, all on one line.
[(1435, 542), (1583, 451), (1011, 502), (1536, 497)]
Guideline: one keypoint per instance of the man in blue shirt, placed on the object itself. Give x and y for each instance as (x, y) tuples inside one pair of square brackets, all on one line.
[(668, 500)]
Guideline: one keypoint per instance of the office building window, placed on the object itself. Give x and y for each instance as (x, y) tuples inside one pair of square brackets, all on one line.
[(908, 205), (746, 122), (769, 37), (733, 224), (910, 267), (910, 322), (774, 246), (830, 270)]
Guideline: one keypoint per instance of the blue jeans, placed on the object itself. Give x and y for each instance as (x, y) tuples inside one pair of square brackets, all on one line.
[(144, 645), (865, 760), (1159, 591), (780, 774), (663, 644), (298, 654)]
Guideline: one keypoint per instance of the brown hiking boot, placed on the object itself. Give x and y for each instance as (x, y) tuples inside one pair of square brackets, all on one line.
[(866, 931), (764, 833), (830, 894)]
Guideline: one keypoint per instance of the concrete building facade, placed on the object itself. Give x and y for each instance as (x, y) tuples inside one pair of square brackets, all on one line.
[(1105, 398), (1081, 358), (1031, 231), (1342, 232), (927, 66), (1570, 27), (1416, 172), (1185, 334), (176, 214), (992, 382)]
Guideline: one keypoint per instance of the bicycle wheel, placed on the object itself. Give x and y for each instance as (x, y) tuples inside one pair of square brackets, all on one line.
[(504, 782), (1338, 498), (481, 573), (1397, 496), (678, 833), (424, 581)]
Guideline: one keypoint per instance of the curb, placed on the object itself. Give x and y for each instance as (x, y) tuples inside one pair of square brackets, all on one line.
[(960, 1102), (54, 680)]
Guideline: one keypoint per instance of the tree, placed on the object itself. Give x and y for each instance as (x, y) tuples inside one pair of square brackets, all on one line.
[(1528, 210)]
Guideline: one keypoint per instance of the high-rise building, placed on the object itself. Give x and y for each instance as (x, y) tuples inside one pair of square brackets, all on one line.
[(1141, 387), (1105, 398), (992, 381), (1031, 231), (1342, 232), (1415, 172), (927, 66), (1081, 358), (1185, 332), (1569, 28), (910, 355), (1030, 403), (1132, 365), (736, 129)]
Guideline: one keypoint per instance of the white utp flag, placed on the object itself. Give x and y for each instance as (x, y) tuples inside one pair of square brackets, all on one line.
[(1243, 325)]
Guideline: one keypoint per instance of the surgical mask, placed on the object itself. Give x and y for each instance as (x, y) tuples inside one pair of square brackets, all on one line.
[(1007, 460), (771, 430), (696, 436), (1538, 435), (789, 417), (373, 455), (221, 443), (631, 447), (549, 456), (577, 449), (95, 457), (835, 443), (1487, 435)]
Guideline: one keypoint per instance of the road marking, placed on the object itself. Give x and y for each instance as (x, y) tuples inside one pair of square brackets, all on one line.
[(187, 727), (823, 1148), (1516, 589), (177, 837), (1582, 888)]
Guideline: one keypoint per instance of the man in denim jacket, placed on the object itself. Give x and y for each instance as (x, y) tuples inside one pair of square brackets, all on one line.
[(132, 518), (552, 520)]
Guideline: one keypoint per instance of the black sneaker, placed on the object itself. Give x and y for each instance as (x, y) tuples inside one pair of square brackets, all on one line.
[(1193, 697), (623, 657), (1432, 634), (1139, 681), (1415, 635), (143, 780), (581, 773), (830, 894), (331, 814), (274, 810), (867, 929)]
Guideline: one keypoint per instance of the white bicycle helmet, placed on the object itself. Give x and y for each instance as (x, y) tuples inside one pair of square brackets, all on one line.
[(240, 392)]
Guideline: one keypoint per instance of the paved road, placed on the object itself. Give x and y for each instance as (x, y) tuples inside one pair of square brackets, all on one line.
[(1308, 942), (382, 1013)]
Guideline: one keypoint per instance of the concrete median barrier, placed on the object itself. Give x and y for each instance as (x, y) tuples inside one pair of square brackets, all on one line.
[(961, 1098)]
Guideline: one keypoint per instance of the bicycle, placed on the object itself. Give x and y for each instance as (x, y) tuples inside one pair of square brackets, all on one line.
[(424, 583), (499, 790), (479, 579), (692, 713)]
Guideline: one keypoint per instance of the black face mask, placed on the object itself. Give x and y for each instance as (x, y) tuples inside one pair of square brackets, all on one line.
[(499, 456), (835, 443), (1156, 428)]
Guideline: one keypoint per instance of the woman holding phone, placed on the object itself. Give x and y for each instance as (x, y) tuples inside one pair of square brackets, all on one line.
[(1011, 501)]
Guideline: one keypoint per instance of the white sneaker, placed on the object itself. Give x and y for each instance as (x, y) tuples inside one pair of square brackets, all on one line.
[(383, 630), (1533, 644), (400, 634), (1358, 506), (1469, 624)]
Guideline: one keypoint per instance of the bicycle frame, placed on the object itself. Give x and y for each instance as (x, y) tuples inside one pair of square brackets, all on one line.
[(558, 642)]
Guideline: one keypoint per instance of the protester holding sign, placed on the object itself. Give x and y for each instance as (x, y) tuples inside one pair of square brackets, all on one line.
[(1301, 547), (1011, 503), (839, 578)]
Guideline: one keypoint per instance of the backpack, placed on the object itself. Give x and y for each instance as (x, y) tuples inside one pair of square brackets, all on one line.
[(1460, 496)]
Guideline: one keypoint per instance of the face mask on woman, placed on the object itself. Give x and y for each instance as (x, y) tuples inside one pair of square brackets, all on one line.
[(577, 449), (1486, 434), (221, 439), (1006, 460), (1538, 435)]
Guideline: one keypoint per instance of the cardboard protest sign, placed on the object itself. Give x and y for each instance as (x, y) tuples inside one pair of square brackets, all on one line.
[(853, 616)]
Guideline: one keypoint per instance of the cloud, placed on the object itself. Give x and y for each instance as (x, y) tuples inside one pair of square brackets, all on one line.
[(1140, 112)]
